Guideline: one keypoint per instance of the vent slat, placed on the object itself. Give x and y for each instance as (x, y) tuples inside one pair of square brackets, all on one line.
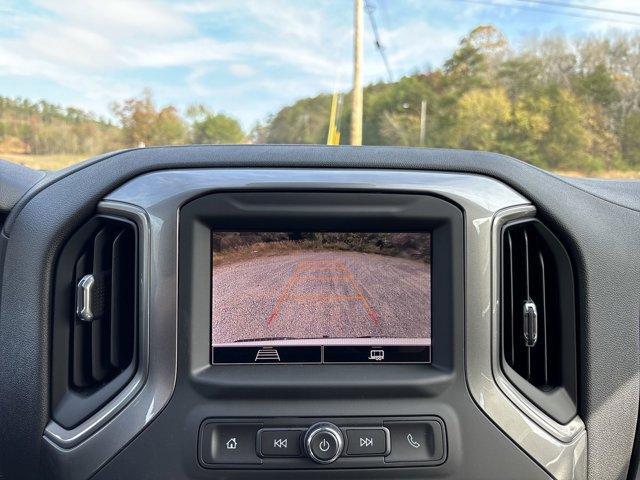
[(122, 297), (100, 326), (510, 312), (527, 278), (542, 314), (518, 297)]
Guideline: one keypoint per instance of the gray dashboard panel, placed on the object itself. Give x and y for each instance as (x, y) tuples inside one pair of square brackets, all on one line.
[(599, 233), (160, 194)]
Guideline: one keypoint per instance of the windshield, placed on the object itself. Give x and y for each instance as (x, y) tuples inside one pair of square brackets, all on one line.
[(553, 83)]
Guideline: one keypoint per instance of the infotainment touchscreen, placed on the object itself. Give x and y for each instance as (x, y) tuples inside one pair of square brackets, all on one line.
[(321, 297)]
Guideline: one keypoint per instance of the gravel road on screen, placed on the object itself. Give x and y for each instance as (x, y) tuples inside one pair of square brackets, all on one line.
[(310, 294)]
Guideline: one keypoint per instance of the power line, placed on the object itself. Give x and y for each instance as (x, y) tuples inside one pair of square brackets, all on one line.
[(374, 26), (551, 12), (583, 7)]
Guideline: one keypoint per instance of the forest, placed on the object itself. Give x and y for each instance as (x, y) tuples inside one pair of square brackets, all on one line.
[(558, 103)]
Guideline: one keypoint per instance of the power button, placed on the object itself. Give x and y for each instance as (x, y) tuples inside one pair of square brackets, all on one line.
[(324, 442)]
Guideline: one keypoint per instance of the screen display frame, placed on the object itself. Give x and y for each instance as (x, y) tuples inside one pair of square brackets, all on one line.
[(349, 350), (308, 207)]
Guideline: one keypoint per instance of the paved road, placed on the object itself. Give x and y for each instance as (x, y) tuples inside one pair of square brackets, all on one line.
[(309, 294)]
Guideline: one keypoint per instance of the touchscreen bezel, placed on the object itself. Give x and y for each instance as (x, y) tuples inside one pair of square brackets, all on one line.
[(330, 209)]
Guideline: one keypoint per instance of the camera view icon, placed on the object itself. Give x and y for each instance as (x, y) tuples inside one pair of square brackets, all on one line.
[(267, 354), (376, 355)]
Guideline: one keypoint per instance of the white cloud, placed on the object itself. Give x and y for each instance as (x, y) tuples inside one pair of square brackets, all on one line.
[(129, 18), (178, 53), (242, 70)]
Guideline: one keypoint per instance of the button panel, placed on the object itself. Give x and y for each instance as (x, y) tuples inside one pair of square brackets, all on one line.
[(303, 443)]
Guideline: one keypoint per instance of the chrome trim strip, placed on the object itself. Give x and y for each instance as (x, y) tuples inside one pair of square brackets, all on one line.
[(158, 196)]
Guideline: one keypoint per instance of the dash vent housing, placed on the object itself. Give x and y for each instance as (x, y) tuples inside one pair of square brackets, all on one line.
[(538, 318), (94, 323)]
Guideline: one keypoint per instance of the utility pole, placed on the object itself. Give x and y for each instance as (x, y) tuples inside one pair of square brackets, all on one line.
[(356, 101), (423, 122)]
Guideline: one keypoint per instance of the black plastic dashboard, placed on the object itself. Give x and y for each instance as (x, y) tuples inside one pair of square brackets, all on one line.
[(155, 434)]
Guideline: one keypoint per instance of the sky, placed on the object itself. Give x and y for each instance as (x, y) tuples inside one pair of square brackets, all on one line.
[(249, 58)]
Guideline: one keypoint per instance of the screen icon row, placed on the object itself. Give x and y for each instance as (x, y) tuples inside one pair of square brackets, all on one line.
[(322, 354)]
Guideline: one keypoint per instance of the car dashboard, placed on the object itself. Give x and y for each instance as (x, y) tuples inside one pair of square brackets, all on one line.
[(149, 328)]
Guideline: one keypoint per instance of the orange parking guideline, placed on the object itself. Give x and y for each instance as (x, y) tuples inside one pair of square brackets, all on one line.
[(311, 269)]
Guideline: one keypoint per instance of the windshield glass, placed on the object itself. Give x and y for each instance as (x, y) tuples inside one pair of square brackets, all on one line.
[(553, 83)]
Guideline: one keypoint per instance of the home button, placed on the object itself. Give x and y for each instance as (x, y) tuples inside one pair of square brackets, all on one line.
[(229, 443)]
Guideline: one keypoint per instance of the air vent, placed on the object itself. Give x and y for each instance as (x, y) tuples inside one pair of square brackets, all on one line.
[(538, 318), (94, 320)]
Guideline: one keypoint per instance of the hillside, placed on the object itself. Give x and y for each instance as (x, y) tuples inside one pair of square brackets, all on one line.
[(44, 128), (554, 103)]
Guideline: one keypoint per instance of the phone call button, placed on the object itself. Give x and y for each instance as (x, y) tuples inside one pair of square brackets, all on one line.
[(420, 441)]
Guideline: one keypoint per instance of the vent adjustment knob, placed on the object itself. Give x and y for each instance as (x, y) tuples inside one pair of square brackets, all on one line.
[(530, 317)]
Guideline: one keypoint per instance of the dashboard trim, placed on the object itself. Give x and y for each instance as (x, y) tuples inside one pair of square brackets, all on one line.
[(158, 196)]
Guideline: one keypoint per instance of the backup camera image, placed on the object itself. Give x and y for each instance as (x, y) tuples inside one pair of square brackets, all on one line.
[(321, 288)]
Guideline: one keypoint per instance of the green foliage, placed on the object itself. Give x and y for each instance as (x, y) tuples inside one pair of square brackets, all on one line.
[(209, 127), (553, 103), (44, 128), (630, 139), (41, 127), (307, 121)]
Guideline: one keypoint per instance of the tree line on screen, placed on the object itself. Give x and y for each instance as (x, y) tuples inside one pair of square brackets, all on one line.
[(556, 103), (239, 245)]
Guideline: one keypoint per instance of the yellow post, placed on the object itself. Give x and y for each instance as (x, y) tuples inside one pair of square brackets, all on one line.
[(331, 134), (356, 100)]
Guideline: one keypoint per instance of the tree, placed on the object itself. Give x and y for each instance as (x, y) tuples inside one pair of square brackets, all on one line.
[(210, 127), (306, 121), (597, 86), (483, 115), (630, 139), (478, 56), (143, 124), (259, 133)]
